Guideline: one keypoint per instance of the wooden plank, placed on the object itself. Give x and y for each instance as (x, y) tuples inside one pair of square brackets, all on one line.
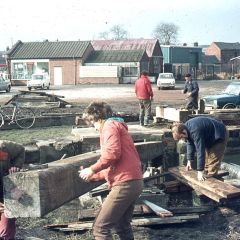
[(161, 212), (215, 186), (200, 190), (38, 192)]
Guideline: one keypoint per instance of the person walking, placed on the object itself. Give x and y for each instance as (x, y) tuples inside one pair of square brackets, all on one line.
[(144, 93), (120, 166), (191, 89), (208, 138), (12, 156)]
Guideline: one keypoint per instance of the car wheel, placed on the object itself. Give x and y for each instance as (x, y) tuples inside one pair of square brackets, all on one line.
[(229, 106), (8, 89), (48, 87)]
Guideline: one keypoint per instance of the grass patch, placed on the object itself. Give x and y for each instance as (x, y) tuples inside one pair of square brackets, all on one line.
[(30, 136)]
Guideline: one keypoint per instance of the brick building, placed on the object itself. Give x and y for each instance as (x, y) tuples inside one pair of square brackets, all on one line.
[(224, 52)]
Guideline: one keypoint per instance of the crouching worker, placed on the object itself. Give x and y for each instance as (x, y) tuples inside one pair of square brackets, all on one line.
[(208, 138), (12, 156), (120, 166)]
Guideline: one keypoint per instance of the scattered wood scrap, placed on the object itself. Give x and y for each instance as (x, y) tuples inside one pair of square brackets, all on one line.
[(140, 210), (141, 221), (161, 212), (211, 187)]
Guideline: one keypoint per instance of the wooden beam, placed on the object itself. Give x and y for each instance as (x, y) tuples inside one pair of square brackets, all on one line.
[(38, 192), (211, 187)]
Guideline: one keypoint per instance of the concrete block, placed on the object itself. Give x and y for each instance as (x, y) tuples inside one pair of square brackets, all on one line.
[(55, 149), (176, 115)]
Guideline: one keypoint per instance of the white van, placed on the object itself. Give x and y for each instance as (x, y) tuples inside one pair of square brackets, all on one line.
[(39, 80), (165, 80)]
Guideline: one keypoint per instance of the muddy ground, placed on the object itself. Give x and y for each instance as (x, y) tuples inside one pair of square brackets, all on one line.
[(222, 223)]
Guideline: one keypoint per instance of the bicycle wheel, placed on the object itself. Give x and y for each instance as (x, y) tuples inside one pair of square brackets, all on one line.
[(1, 120), (25, 118)]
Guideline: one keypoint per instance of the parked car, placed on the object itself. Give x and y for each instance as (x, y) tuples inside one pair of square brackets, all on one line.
[(5, 84), (165, 80), (229, 98), (40, 80)]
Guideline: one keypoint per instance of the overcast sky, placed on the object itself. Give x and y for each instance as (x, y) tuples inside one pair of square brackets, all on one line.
[(202, 21)]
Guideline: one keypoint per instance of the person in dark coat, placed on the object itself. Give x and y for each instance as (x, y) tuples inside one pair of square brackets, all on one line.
[(12, 156), (191, 89), (207, 137)]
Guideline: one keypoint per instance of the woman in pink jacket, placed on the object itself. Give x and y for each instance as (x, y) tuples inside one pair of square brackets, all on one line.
[(120, 166)]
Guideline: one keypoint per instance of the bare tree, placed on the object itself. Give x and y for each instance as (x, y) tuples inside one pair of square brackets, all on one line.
[(118, 32), (103, 35), (166, 33)]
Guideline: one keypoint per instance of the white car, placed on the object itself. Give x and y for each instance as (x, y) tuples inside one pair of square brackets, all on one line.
[(40, 80), (165, 80)]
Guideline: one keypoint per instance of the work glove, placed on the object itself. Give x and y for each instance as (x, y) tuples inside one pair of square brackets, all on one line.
[(86, 173), (200, 176), (188, 167)]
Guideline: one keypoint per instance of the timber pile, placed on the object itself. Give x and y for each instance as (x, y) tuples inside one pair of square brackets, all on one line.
[(38, 99), (213, 188)]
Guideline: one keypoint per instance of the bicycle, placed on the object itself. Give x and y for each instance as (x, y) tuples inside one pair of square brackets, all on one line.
[(23, 117)]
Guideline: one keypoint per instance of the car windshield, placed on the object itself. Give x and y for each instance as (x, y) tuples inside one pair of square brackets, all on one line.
[(166, 76), (37, 77), (232, 89)]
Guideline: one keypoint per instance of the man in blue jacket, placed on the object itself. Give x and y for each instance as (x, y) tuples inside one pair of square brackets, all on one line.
[(208, 138), (191, 89)]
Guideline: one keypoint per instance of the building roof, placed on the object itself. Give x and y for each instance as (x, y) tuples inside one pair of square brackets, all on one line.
[(227, 46), (48, 50), (115, 56), (130, 44)]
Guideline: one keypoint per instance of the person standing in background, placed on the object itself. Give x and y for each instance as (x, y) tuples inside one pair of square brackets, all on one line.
[(191, 89), (144, 93)]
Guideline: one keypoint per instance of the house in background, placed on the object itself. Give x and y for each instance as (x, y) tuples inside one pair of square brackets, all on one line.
[(114, 66), (61, 60), (224, 52), (151, 46), (182, 59)]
